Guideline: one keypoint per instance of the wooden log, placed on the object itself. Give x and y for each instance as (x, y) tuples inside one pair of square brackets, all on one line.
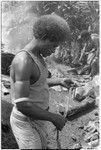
[(82, 109)]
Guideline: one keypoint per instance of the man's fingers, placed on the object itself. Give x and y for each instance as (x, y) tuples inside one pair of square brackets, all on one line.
[(68, 81)]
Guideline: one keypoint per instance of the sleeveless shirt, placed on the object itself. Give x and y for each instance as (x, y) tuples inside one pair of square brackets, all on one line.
[(39, 91)]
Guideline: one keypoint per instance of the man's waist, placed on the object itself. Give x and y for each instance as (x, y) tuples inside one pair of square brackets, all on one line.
[(20, 116)]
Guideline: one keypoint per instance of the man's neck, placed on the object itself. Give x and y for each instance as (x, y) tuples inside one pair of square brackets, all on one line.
[(32, 47)]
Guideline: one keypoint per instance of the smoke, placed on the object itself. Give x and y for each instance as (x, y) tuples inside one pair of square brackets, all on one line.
[(17, 24)]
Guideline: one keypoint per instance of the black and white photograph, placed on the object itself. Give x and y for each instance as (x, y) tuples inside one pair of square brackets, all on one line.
[(50, 74)]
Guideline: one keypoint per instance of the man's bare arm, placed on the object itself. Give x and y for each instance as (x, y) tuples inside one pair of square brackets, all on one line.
[(55, 81), (82, 52), (31, 110), (65, 82)]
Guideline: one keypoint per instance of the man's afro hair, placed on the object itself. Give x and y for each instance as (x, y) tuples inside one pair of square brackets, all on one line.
[(52, 28)]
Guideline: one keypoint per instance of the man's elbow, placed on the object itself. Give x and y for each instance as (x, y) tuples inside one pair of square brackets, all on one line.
[(23, 107)]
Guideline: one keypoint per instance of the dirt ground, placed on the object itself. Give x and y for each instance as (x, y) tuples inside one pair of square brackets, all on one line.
[(73, 133), (71, 137)]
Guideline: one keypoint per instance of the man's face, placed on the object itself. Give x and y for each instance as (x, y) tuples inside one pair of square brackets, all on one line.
[(48, 48)]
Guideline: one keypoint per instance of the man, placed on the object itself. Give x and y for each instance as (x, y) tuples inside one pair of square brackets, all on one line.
[(89, 42), (29, 89), (90, 51), (78, 46), (86, 43)]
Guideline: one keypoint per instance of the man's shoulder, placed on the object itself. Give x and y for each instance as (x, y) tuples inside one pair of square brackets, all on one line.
[(21, 58), (22, 61)]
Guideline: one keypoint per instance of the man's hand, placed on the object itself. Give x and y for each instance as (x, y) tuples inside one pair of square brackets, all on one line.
[(67, 83), (59, 121)]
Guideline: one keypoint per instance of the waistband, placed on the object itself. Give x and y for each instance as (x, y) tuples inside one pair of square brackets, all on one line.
[(21, 117)]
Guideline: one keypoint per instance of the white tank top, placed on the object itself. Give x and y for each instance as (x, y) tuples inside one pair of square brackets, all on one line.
[(39, 91)]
